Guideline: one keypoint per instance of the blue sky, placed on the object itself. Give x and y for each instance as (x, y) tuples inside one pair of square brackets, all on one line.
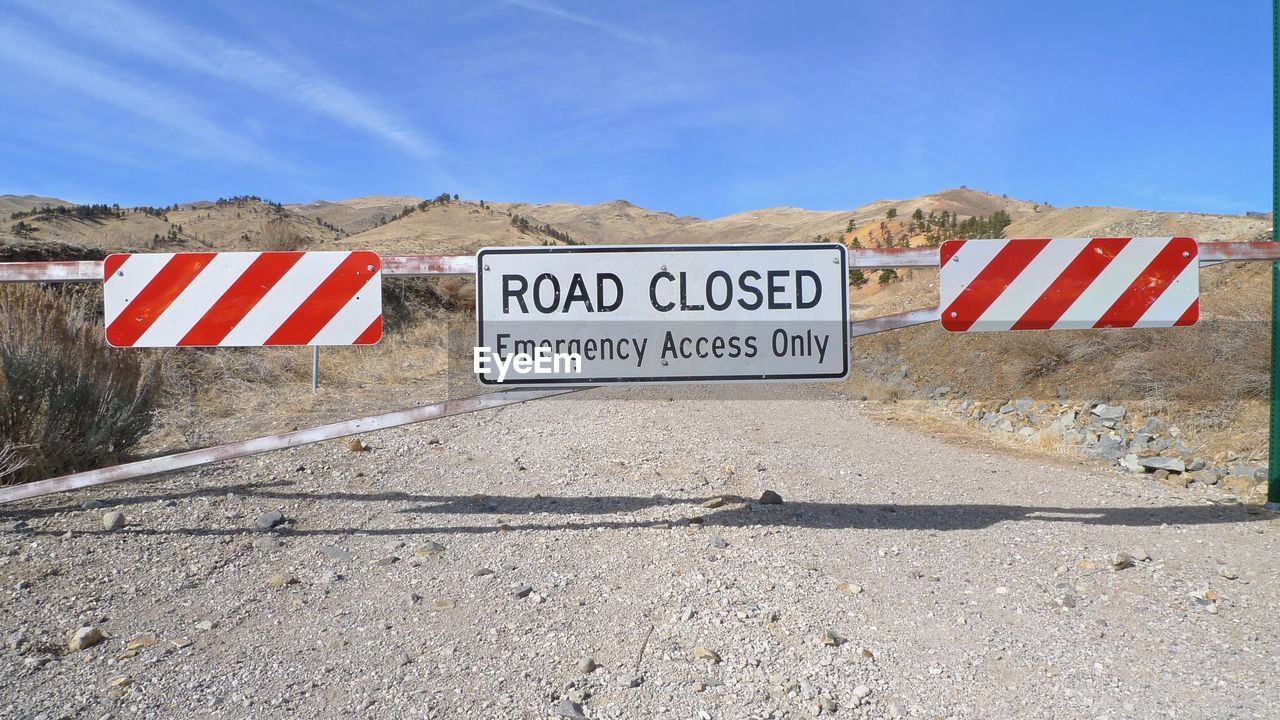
[(697, 108)]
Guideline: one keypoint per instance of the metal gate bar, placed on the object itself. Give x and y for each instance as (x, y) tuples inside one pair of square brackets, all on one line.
[(245, 448), (427, 265)]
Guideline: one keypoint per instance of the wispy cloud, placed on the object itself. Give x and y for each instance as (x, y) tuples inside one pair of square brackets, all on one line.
[(617, 32), (133, 31), (149, 101)]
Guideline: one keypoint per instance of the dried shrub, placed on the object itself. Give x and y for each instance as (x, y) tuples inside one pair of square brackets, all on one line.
[(68, 401), (279, 235)]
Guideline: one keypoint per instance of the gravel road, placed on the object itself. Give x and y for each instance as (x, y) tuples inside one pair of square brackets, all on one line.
[(475, 567)]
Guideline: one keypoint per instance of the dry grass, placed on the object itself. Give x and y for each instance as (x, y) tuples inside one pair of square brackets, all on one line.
[(67, 401)]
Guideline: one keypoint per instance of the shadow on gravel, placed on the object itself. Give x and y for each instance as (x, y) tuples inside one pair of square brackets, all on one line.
[(497, 513)]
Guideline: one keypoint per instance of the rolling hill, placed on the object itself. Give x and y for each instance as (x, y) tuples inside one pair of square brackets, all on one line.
[(356, 214)]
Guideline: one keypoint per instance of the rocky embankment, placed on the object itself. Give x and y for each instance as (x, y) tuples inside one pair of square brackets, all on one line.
[(1131, 441)]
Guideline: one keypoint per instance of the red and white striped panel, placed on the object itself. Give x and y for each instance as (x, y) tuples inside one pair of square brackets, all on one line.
[(239, 299), (1069, 283)]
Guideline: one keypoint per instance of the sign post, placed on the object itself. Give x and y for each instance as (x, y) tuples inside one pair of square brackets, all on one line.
[(1273, 440), (661, 314)]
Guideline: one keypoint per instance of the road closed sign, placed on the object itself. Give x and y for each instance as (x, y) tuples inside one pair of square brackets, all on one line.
[(661, 314)]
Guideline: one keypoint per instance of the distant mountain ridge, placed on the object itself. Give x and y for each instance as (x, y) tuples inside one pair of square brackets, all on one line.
[(407, 224)]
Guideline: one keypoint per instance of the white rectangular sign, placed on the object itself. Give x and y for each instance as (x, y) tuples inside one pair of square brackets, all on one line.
[(662, 313)]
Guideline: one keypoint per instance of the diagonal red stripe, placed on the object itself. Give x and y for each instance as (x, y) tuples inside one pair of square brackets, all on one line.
[(1067, 287), (245, 293), (112, 264), (1191, 316), (325, 302), (143, 310), (974, 300), (1149, 285), (949, 248), (371, 334)]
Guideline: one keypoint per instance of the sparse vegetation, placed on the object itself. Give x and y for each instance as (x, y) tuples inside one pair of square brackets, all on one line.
[(78, 212), (280, 235), (67, 401), (523, 224)]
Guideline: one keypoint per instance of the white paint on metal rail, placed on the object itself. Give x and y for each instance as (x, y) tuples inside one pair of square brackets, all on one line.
[(427, 265), (245, 448)]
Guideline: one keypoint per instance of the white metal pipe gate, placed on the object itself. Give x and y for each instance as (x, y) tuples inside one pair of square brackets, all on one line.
[(456, 265)]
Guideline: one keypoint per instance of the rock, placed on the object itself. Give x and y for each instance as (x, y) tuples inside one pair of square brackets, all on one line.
[(706, 654), (587, 665), (1006, 408), (521, 591), (1196, 465), (830, 638), (482, 572), (1227, 573), (713, 503), (851, 588), (569, 709), (1154, 426), (279, 580), (1106, 448), (1120, 560), (630, 680), (268, 520), (862, 692), (205, 625), (1108, 412), (1005, 425), (113, 521), (1242, 485), (769, 497), (267, 543), (85, 637), (828, 705), (92, 504), (444, 604), (1174, 465), (429, 548), (181, 642), (1141, 554), (719, 542), (357, 445), (336, 554), (1246, 470), (386, 561), (1130, 462), (410, 599), (1024, 405)]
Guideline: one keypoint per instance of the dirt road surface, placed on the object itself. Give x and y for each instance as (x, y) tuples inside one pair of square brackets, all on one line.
[(466, 569)]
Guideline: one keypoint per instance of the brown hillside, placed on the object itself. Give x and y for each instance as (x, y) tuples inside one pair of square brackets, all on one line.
[(443, 229), (356, 214), (611, 223), (791, 225), (1117, 222), (22, 203), (193, 227)]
